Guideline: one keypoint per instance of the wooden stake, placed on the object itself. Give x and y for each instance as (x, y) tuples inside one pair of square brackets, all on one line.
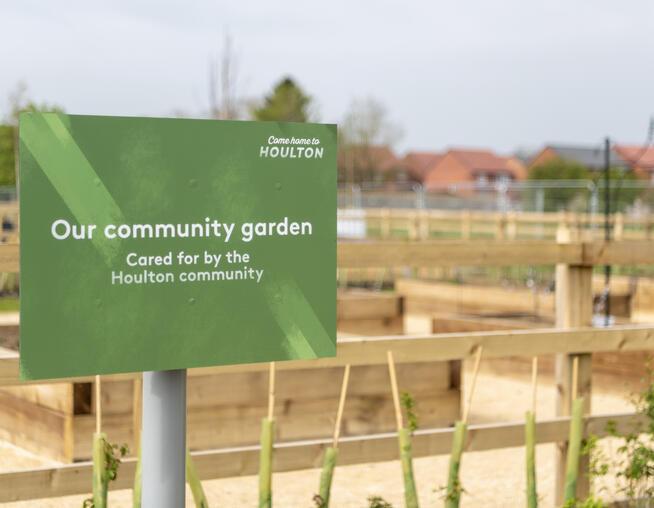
[(98, 405), (396, 395), (575, 377), (271, 391), (475, 371), (534, 383), (341, 405)]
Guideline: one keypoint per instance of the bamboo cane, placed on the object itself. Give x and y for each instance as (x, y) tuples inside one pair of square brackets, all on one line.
[(453, 490), (266, 442), (574, 438), (404, 441), (530, 441), (195, 484), (136, 424), (331, 453), (100, 480), (136, 491)]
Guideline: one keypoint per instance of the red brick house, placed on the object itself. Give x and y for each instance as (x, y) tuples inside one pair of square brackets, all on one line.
[(369, 164), (418, 164), (639, 158), (474, 166)]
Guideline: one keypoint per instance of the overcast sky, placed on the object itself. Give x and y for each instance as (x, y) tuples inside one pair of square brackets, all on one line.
[(478, 73)]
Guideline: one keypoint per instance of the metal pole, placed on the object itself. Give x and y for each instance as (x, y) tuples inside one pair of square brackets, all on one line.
[(163, 439), (607, 228)]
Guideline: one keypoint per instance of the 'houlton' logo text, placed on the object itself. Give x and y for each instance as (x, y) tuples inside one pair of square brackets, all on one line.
[(287, 148)]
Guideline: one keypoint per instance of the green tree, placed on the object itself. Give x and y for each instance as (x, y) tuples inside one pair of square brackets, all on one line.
[(18, 102), (286, 103), (622, 182), (561, 197), (7, 155), (623, 192)]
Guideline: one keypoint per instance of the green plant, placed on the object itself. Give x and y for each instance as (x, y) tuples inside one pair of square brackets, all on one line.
[(326, 475), (406, 459), (590, 502), (633, 462), (111, 455), (265, 463), (530, 456), (454, 489), (409, 405), (378, 502)]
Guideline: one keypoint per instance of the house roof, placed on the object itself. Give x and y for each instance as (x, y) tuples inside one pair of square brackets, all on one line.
[(590, 156), (480, 160), (418, 164), (636, 155), (486, 161), (373, 157)]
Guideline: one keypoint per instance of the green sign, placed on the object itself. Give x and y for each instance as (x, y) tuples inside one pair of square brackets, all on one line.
[(156, 244)]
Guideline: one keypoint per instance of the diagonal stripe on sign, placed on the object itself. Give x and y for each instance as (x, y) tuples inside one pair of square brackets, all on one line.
[(305, 335), (71, 174)]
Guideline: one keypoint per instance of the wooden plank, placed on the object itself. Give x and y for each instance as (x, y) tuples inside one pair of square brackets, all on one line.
[(75, 478), (626, 252), (305, 404), (57, 396), (430, 297), (426, 348), (250, 388), (367, 305), (370, 327), (29, 426), (456, 253), (9, 255), (459, 253)]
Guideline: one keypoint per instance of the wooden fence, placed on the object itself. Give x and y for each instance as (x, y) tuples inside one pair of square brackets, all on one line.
[(427, 224), (572, 337)]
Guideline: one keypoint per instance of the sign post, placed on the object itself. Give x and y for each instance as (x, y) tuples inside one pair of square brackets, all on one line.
[(163, 444), (156, 245)]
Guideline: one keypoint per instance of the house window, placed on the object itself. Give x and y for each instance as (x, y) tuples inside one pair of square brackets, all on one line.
[(482, 180), (503, 179)]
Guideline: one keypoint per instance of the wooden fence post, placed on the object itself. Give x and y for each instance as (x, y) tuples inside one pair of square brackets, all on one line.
[(466, 224), (511, 226), (424, 224), (500, 226), (574, 308), (412, 224), (618, 226), (385, 223)]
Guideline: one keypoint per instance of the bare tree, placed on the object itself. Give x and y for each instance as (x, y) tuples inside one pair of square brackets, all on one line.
[(224, 103), (366, 123), (17, 101), (366, 127)]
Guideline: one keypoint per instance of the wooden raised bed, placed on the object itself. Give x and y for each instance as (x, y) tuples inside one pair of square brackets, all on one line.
[(225, 410)]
